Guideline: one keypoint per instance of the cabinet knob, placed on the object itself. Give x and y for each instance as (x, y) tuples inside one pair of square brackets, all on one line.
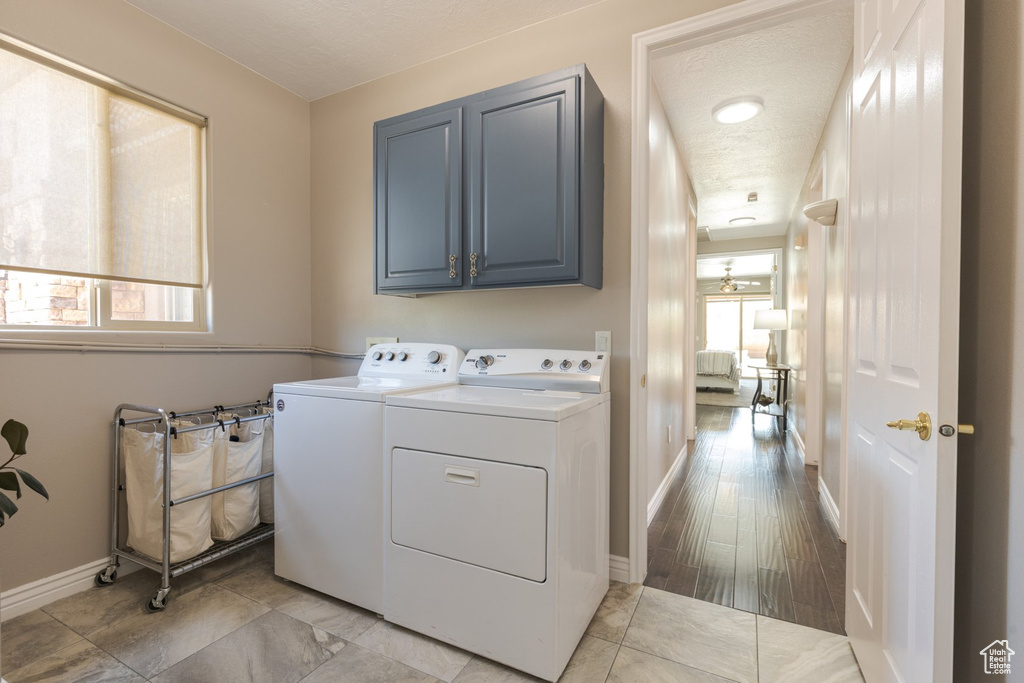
[(451, 266), (472, 264)]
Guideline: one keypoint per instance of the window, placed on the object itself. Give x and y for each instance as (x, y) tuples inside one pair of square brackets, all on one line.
[(101, 200), (729, 326)]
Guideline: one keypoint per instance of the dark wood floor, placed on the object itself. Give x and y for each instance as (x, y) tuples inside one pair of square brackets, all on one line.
[(740, 526)]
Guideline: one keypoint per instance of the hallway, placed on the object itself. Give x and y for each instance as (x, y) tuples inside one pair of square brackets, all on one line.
[(740, 526)]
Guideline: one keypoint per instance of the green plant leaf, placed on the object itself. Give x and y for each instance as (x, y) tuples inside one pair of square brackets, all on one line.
[(9, 482), (7, 505), (33, 483), (16, 435)]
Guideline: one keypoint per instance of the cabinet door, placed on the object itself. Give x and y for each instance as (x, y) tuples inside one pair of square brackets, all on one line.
[(418, 201), (522, 158)]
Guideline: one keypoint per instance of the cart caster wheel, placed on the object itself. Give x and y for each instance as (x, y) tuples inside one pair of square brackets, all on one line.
[(106, 577), (156, 604)]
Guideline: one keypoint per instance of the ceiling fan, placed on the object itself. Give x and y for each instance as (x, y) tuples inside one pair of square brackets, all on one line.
[(731, 284)]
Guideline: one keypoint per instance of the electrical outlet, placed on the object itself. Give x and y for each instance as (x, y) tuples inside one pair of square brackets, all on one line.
[(603, 342), (370, 341)]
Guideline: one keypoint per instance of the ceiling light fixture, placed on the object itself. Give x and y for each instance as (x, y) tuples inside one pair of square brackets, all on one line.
[(743, 220), (738, 109)]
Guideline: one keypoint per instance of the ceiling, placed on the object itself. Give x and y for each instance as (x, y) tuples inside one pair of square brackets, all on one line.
[(743, 267), (318, 47), (795, 68)]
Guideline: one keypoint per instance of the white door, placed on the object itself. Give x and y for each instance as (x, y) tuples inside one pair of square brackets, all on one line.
[(905, 278)]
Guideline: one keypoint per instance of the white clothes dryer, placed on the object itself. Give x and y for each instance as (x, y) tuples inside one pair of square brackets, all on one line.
[(496, 506), (329, 470)]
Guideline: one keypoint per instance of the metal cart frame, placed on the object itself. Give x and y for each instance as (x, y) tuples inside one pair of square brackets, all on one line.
[(165, 567)]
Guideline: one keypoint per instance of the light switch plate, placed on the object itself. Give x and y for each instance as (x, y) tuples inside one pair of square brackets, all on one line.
[(370, 341), (603, 342)]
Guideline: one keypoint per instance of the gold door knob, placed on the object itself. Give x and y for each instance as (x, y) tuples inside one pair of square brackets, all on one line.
[(922, 425)]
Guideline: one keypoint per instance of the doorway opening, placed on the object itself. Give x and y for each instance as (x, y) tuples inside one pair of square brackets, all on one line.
[(736, 515), (897, 234)]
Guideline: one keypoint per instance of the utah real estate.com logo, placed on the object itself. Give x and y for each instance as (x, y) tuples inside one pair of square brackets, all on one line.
[(997, 657)]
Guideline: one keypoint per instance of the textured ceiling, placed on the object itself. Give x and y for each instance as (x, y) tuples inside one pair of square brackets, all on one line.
[(318, 47), (743, 267), (795, 68)]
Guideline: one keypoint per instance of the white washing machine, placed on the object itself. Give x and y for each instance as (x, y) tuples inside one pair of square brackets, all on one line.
[(329, 469), (496, 506)]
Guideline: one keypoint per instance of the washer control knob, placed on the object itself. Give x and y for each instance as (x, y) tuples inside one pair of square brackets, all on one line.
[(547, 364), (390, 355), (484, 362), (403, 356), (433, 357), (584, 365), (377, 355), (565, 364)]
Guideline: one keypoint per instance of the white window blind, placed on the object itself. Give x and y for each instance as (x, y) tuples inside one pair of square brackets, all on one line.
[(96, 181)]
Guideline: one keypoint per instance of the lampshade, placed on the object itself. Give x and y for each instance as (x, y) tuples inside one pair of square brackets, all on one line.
[(774, 319)]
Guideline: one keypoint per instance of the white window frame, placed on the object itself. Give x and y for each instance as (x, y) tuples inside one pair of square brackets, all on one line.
[(100, 305), (104, 308)]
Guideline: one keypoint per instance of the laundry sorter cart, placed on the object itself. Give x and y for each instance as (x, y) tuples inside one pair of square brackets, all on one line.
[(167, 431)]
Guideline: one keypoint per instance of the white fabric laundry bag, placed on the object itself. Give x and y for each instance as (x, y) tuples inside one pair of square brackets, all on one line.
[(235, 511), (191, 472), (267, 485), (266, 428)]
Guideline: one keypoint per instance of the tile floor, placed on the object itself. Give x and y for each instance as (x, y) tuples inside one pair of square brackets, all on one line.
[(741, 526), (234, 621)]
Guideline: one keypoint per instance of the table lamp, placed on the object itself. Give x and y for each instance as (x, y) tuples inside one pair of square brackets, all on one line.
[(771, 320)]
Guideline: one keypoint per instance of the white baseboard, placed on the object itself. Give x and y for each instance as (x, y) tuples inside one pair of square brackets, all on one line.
[(666, 482), (829, 507), (799, 443), (618, 568), (32, 596)]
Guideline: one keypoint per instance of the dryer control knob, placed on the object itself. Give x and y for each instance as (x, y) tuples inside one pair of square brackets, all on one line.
[(377, 355), (433, 357), (484, 362), (584, 365), (547, 364), (390, 355), (403, 356), (565, 364)]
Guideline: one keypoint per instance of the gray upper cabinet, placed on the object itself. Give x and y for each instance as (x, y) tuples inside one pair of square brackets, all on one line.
[(521, 186), (529, 171), (418, 202)]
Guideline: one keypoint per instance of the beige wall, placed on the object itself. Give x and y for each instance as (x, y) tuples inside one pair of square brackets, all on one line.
[(990, 482), (814, 280), (668, 216), (794, 340), (342, 209), (833, 250), (260, 277)]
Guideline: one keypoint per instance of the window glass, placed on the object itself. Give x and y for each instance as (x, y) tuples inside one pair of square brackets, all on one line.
[(755, 342), (138, 301), (729, 326), (723, 324)]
